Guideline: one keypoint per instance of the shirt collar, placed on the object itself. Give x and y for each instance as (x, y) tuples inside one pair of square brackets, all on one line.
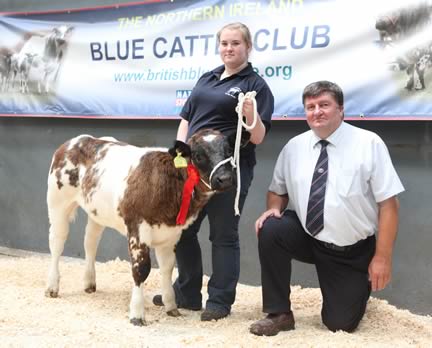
[(244, 72), (334, 139)]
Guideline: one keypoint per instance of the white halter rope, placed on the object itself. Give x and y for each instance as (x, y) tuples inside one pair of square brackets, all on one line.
[(239, 109), (235, 160), (230, 159)]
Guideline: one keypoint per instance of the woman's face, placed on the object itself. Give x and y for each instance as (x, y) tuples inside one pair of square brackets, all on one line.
[(234, 51)]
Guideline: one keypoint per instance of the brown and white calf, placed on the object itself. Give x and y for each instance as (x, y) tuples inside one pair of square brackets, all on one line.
[(138, 192)]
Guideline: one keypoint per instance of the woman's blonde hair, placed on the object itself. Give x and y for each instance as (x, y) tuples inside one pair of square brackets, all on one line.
[(238, 26)]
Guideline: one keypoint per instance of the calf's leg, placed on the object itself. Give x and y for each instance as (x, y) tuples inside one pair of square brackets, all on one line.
[(93, 234), (166, 260), (141, 265), (58, 233)]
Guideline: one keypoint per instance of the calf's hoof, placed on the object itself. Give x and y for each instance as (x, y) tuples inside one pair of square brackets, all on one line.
[(174, 313), (90, 289), (51, 293), (138, 322)]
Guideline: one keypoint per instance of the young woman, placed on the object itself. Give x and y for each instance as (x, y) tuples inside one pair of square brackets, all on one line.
[(212, 104)]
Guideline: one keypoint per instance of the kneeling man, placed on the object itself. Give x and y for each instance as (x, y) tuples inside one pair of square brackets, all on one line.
[(332, 202)]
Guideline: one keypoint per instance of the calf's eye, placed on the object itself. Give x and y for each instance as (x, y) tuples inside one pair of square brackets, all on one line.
[(198, 158)]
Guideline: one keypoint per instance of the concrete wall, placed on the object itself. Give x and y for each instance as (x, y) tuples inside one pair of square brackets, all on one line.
[(26, 146)]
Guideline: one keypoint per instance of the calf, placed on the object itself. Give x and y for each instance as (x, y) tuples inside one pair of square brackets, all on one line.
[(5, 67), (24, 71), (138, 192)]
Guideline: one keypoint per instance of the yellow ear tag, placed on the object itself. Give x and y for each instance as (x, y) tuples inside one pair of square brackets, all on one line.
[(180, 161)]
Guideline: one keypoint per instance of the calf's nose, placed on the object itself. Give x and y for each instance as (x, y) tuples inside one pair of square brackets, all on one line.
[(223, 181)]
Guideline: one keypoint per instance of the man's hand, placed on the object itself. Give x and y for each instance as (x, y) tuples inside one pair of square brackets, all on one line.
[(260, 221), (380, 272), (381, 265)]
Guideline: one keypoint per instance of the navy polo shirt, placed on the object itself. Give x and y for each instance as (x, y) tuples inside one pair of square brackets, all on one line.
[(213, 101)]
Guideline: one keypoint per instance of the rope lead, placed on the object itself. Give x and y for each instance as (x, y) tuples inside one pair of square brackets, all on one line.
[(239, 109)]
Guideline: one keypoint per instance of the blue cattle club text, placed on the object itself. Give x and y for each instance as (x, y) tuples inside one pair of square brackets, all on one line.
[(317, 36)]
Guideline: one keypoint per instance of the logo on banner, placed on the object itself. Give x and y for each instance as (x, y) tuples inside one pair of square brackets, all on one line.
[(181, 96)]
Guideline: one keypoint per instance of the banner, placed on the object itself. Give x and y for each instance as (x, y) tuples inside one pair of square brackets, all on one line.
[(142, 60)]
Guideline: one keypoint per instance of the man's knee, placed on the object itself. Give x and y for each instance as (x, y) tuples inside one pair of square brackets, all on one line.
[(347, 323), (266, 235)]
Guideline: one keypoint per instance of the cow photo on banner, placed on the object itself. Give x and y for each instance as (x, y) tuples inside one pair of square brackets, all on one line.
[(34, 62), (142, 59), (406, 37)]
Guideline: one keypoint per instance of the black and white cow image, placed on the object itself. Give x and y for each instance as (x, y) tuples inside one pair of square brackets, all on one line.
[(55, 46), (138, 192), (408, 31), (403, 22), (37, 59), (21, 64), (5, 68), (416, 71)]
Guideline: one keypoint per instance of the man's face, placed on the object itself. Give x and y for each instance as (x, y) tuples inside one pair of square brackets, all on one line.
[(323, 114)]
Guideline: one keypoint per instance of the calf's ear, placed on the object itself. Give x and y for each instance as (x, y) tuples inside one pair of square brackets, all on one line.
[(181, 147)]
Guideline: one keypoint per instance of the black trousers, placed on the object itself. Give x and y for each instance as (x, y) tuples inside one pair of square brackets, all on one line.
[(224, 237), (342, 274)]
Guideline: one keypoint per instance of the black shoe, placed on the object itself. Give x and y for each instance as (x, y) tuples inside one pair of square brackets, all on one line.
[(213, 314), (157, 301), (272, 324)]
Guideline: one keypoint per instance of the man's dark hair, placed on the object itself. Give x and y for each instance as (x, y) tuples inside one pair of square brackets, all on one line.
[(315, 89)]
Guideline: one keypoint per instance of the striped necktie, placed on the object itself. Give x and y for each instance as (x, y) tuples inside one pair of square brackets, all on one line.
[(315, 210)]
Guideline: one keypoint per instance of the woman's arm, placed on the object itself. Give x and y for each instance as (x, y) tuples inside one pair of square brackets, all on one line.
[(182, 130)]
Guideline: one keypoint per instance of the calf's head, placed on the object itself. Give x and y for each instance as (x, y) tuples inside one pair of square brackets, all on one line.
[(56, 41), (208, 149)]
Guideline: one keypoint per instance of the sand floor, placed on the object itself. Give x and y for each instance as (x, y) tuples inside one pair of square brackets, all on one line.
[(78, 319)]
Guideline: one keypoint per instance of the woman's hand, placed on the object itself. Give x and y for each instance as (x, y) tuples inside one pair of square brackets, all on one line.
[(248, 111)]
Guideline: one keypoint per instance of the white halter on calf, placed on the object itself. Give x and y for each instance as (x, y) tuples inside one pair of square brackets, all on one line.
[(229, 159)]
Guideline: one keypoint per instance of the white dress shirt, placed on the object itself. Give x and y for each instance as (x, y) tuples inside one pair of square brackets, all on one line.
[(360, 175)]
